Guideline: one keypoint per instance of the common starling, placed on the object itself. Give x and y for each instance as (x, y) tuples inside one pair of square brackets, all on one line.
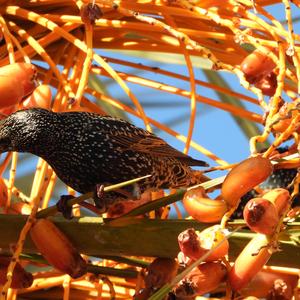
[(86, 149)]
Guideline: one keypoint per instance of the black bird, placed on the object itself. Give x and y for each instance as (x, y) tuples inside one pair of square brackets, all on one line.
[(86, 149)]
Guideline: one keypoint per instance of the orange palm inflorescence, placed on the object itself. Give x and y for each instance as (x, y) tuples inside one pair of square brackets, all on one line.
[(50, 50)]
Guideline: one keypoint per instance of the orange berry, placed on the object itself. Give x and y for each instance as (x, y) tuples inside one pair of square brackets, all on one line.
[(264, 280), (210, 238), (17, 81), (160, 272), (201, 280), (250, 261), (245, 176), (280, 198), (203, 209), (41, 97), (261, 215), (57, 249), (257, 65), (195, 244), (188, 241)]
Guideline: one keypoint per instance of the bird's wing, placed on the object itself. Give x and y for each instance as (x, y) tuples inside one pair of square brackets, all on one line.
[(154, 146)]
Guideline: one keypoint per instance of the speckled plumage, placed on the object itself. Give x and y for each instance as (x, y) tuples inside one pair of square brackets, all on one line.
[(85, 149)]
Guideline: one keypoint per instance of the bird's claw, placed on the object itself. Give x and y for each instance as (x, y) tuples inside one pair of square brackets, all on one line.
[(104, 200), (99, 197), (63, 207), (100, 190)]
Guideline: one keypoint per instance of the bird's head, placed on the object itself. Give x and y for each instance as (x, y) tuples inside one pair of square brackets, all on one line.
[(21, 130)]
